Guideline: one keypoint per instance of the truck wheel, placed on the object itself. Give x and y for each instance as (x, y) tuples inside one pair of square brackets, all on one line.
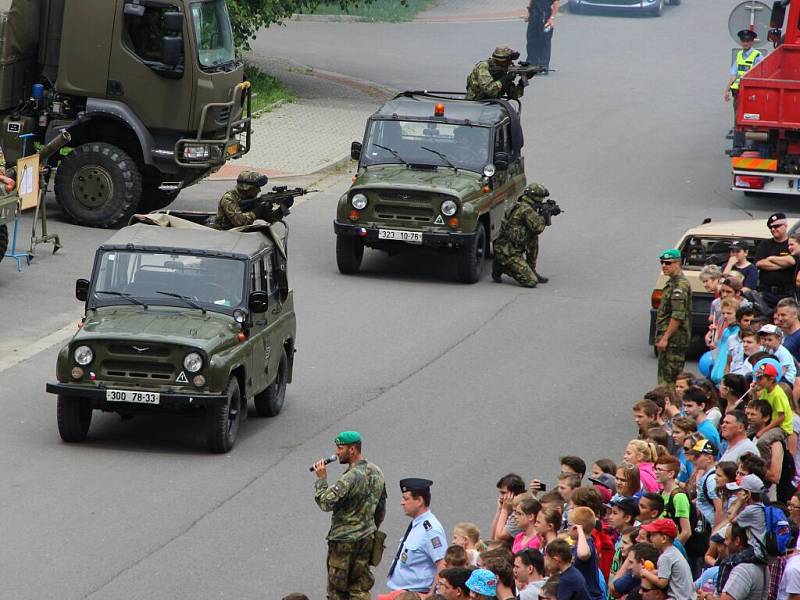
[(270, 402), (349, 252), (222, 425), (470, 257), (74, 418), (98, 185), (3, 240), (658, 9), (156, 199)]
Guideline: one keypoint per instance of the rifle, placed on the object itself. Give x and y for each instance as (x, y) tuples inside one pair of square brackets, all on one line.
[(525, 71), (281, 195), (548, 209)]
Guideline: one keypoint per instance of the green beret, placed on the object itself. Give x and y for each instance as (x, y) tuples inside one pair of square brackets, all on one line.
[(671, 254), (347, 437)]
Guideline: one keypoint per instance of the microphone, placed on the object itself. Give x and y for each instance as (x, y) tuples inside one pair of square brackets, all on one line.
[(327, 461)]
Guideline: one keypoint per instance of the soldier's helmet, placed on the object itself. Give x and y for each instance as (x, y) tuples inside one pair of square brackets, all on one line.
[(504, 55), (250, 180), (536, 191)]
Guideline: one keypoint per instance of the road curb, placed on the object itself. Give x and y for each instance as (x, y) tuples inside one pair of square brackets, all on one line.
[(329, 18)]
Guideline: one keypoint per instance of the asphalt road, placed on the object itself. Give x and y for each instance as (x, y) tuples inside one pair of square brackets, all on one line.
[(457, 383)]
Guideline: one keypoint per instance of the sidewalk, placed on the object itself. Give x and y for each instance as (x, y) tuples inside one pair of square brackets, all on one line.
[(314, 132), (473, 10)]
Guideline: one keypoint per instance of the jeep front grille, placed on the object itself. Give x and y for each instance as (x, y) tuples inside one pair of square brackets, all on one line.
[(136, 370), (403, 196), (138, 349), (404, 213)]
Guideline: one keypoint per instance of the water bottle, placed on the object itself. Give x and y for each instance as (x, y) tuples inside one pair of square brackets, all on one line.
[(548, 28)]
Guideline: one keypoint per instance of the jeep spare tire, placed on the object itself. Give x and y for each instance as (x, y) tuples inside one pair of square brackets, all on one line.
[(98, 185)]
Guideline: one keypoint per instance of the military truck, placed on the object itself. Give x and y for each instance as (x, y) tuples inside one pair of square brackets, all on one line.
[(180, 318), (434, 171), (150, 91)]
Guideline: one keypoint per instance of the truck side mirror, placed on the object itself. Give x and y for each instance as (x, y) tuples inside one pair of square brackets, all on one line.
[(778, 15), (501, 161), (258, 302), (172, 21), (355, 150), (171, 50), (82, 289)]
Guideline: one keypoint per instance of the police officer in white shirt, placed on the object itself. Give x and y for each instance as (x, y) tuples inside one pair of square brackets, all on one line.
[(420, 555)]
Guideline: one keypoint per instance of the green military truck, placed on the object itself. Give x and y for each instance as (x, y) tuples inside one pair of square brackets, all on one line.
[(150, 92), (434, 171), (180, 318)]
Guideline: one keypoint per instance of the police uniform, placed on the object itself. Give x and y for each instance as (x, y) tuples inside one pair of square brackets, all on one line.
[(424, 544), (743, 62), (487, 80), (229, 212), (676, 303)]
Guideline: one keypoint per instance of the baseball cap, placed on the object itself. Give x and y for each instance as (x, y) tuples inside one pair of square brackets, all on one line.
[(768, 370), (770, 329), (671, 254), (705, 447), (483, 581), (739, 245), (606, 480), (626, 504), (605, 493), (665, 526), (777, 218), (749, 483)]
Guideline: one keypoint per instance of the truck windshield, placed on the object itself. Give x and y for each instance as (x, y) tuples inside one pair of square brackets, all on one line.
[(213, 33), (140, 277), (466, 147)]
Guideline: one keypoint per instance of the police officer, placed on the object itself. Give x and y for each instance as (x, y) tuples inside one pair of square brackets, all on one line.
[(490, 78), (420, 555), (358, 503), (517, 246), (673, 319), (745, 59), (541, 19), (229, 211)]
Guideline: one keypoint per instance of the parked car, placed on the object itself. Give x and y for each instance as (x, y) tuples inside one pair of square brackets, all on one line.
[(652, 8)]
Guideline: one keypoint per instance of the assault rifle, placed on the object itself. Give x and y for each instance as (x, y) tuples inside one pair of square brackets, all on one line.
[(274, 206), (524, 71), (548, 209)]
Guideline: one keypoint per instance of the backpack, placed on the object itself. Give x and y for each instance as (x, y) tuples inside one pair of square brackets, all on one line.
[(776, 541), (697, 544)]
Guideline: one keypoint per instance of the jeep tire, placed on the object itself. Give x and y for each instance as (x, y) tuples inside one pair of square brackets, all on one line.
[(74, 418), (349, 252), (3, 240), (98, 185), (471, 256), (270, 402), (222, 422)]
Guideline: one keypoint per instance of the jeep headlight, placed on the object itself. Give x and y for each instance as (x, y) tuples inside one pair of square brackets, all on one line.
[(196, 151), (359, 201), (83, 355), (449, 208), (489, 170), (193, 362)]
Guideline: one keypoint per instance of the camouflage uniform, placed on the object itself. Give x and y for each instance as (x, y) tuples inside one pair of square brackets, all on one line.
[(676, 303), (358, 502), (229, 211), (486, 79), (517, 246)]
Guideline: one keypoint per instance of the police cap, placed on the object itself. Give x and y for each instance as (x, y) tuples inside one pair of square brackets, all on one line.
[(504, 53), (747, 34), (251, 178), (415, 484), (536, 190)]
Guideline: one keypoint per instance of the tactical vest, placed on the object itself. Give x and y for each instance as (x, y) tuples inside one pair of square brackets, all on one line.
[(743, 65)]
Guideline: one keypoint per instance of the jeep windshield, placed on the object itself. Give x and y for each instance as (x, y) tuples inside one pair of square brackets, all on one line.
[(417, 143), (213, 34), (142, 278), (698, 250)]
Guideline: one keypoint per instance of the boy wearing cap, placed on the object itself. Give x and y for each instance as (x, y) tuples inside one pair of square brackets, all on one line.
[(748, 492), (774, 262), (673, 319), (738, 262), (771, 337), (673, 574), (708, 502), (782, 415), (483, 584)]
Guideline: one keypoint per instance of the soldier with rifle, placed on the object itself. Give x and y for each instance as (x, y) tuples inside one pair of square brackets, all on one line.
[(492, 79), (243, 206)]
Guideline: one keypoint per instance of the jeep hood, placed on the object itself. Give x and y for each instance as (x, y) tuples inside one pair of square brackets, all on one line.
[(163, 324), (442, 180)]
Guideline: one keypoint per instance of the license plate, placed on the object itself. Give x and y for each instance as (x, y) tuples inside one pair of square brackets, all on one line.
[(232, 149), (411, 237), (132, 396)]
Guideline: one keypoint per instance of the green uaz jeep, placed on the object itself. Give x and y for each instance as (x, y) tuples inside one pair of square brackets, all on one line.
[(180, 318), (434, 170)]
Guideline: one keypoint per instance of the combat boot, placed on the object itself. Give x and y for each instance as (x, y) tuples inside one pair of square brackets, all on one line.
[(497, 272), (541, 278), (531, 284)]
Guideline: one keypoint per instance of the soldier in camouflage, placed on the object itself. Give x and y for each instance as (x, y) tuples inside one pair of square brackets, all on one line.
[(358, 502), (229, 211), (673, 319), (490, 79), (517, 246)]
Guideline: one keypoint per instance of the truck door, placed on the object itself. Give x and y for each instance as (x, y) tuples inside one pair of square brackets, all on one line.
[(502, 181), (160, 94)]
